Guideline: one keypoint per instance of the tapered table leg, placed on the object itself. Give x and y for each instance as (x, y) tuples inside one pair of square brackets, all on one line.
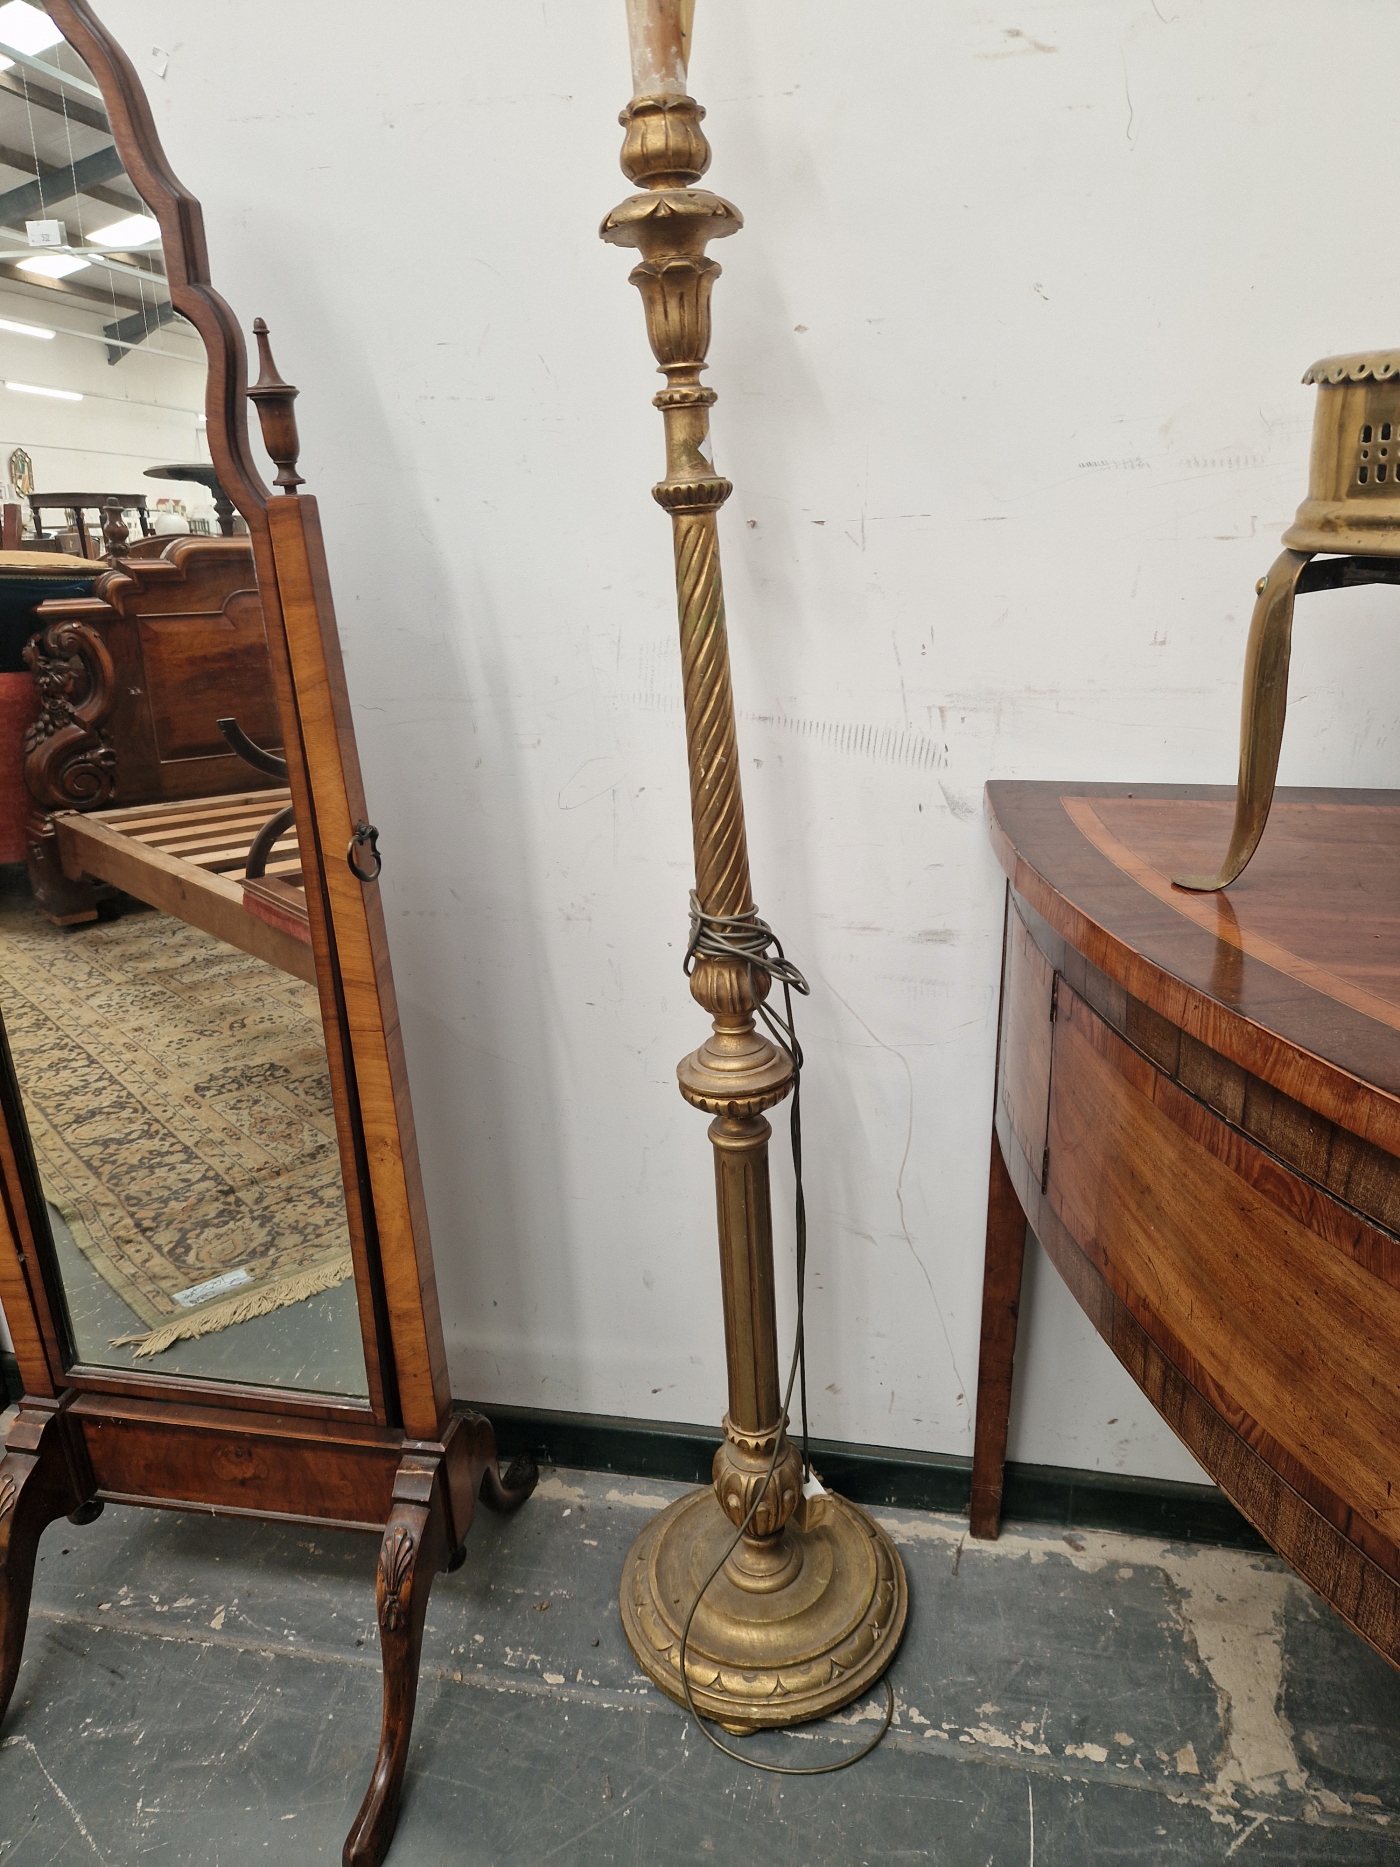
[(1001, 1301)]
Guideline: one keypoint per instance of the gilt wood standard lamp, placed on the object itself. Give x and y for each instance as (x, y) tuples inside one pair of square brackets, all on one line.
[(808, 1610)]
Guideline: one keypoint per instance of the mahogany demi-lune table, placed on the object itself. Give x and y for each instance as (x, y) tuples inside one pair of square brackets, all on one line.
[(1198, 1113)]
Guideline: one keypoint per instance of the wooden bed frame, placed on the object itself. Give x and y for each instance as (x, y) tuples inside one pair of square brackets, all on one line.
[(188, 858), (132, 680)]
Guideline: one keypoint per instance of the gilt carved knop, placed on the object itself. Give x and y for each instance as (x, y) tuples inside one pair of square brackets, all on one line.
[(395, 1570), (115, 534), (664, 146), (741, 1471)]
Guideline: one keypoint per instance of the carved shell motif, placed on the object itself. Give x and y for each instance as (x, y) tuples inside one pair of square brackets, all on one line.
[(395, 1566)]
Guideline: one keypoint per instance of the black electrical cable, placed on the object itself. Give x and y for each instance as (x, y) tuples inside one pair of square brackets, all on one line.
[(745, 937)]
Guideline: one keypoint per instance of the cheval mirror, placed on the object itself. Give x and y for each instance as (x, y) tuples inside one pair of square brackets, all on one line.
[(214, 1255)]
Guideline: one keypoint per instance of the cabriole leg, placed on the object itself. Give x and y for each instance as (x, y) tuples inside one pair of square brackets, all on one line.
[(36, 1486), (414, 1549), (434, 1498), (508, 1493)]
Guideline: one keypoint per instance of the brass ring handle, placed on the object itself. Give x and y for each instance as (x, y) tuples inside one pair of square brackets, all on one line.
[(365, 833)]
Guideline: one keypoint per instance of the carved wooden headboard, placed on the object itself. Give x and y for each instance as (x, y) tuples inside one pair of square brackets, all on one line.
[(131, 682)]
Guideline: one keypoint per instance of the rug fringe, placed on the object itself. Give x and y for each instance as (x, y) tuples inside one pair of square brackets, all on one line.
[(260, 1300)]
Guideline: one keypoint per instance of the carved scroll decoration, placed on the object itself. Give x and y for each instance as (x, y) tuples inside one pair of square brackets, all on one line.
[(68, 760)]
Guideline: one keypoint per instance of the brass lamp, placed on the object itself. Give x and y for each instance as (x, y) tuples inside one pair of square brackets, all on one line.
[(1353, 510), (808, 1607)]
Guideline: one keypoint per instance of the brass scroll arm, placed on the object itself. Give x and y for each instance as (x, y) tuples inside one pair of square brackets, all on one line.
[(1292, 574), (1261, 716)]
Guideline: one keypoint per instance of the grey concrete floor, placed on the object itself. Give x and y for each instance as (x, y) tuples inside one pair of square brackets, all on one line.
[(207, 1691)]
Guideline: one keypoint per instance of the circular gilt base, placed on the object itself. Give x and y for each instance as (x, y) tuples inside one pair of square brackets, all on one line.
[(759, 1660)]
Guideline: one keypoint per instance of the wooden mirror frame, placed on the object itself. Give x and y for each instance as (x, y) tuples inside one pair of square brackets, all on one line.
[(406, 1465)]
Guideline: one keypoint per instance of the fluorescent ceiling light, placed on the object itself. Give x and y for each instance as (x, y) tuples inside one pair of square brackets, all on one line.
[(135, 230), (53, 265), (24, 330), (27, 29), (33, 388)]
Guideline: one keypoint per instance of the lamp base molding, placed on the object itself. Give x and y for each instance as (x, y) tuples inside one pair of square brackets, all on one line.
[(773, 1643)]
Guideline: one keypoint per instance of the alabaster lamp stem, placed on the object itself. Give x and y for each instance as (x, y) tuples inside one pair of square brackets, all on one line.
[(659, 34)]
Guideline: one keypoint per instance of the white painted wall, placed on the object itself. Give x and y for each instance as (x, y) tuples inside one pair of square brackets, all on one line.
[(1008, 360)]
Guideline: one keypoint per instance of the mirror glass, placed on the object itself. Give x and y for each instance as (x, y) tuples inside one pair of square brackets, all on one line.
[(157, 980)]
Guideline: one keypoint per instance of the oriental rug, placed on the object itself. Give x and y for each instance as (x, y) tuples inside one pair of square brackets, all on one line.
[(180, 1106)]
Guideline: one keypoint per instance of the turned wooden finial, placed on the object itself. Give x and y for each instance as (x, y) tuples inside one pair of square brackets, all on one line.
[(115, 535), (274, 399)]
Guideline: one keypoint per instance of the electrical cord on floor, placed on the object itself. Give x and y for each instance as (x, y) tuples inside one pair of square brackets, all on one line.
[(745, 937)]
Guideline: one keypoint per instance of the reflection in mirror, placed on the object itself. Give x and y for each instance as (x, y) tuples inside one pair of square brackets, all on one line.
[(103, 380), (157, 979)]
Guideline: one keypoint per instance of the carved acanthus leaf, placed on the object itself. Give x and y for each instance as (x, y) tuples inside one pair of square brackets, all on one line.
[(67, 758), (740, 1476), (676, 297)]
